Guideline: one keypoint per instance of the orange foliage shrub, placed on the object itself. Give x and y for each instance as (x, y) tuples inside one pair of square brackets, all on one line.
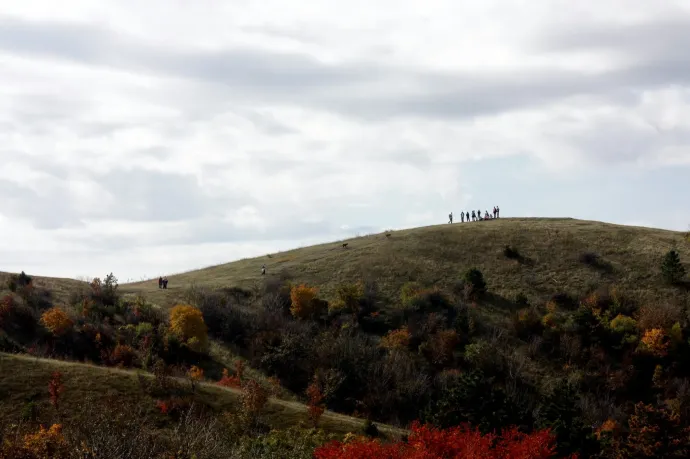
[(187, 322), (396, 339), (123, 355), (44, 444), (655, 342), (654, 432), (56, 320), (195, 373), (458, 442), (303, 301)]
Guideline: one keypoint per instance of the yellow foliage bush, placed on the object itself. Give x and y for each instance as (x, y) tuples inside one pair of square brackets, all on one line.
[(187, 322), (396, 339), (303, 301), (56, 320), (349, 297)]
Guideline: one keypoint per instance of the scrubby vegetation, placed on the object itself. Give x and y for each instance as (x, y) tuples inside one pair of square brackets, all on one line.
[(600, 372)]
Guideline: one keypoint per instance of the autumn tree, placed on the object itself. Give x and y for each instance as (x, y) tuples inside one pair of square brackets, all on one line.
[(187, 323), (655, 342), (56, 320), (304, 303)]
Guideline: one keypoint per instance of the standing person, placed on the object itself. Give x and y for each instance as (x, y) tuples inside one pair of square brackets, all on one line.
[(263, 270), (462, 217), (498, 212), (160, 282), (474, 216), (468, 216), (165, 282), (450, 217), (494, 211)]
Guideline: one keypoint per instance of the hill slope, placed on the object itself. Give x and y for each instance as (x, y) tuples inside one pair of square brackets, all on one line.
[(24, 378), (439, 255)]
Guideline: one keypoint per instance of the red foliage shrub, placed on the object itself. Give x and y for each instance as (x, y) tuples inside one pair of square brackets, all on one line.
[(458, 442), (55, 388), (123, 355), (233, 381), (314, 406)]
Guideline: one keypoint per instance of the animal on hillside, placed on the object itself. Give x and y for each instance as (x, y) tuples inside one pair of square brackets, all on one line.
[(388, 234), (344, 244)]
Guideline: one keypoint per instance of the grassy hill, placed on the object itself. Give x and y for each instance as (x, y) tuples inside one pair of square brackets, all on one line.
[(551, 260), (24, 378), (59, 288)]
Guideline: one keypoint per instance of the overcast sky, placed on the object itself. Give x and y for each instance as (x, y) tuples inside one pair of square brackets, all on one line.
[(157, 136)]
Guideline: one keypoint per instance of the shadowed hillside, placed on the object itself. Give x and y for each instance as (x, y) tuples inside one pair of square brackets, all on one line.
[(553, 256)]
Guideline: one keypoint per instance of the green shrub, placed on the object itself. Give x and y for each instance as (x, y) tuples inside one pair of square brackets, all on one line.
[(474, 282), (511, 253), (671, 268)]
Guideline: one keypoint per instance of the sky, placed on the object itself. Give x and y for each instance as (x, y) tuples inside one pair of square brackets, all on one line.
[(147, 138)]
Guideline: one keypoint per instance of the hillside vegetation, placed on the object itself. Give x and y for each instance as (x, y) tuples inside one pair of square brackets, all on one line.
[(558, 336), (551, 259)]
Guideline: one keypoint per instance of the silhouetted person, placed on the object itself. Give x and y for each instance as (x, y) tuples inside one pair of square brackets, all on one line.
[(450, 217), (462, 217), (494, 212), (263, 270), (486, 215), (165, 282), (498, 212), (160, 282), (468, 215), (474, 216)]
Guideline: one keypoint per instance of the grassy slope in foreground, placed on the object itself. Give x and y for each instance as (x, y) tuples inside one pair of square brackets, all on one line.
[(440, 254), (24, 377)]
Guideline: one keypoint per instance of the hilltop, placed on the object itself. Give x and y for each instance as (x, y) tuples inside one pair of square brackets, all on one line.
[(554, 256)]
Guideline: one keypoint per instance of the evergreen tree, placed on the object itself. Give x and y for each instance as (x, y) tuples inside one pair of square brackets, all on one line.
[(671, 268)]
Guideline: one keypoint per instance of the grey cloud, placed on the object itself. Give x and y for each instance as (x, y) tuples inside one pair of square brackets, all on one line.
[(296, 78), (139, 195), (145, 195), (50, 211)]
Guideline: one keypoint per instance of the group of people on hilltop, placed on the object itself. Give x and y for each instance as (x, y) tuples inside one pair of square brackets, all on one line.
[(162, 282), (476, 216)]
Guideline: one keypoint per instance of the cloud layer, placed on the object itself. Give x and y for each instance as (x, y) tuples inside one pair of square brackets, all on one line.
[(164, 137)]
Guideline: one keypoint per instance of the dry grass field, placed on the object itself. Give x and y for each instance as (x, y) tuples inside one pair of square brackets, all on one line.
[(551, 253)]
